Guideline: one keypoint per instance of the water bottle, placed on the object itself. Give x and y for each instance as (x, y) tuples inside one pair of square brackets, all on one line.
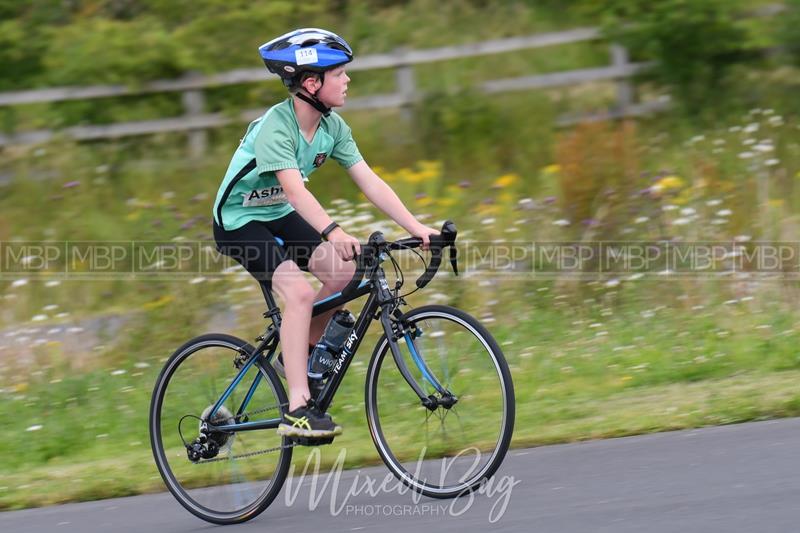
[(326, 351)]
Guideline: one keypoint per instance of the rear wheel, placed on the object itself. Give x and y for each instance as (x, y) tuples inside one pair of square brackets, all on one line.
[(447, 451), (237, 475)]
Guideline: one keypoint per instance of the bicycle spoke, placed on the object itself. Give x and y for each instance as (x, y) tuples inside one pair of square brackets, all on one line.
[(469, 369), (219, 486)]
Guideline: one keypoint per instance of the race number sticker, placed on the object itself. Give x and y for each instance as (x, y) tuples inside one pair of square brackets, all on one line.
[(305, 56)]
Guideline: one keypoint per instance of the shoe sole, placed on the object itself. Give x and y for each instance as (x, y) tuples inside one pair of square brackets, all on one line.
[(285, 430)]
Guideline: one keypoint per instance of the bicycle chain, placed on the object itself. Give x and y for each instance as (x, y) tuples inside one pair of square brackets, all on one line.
[(250, 454), (245, 455)]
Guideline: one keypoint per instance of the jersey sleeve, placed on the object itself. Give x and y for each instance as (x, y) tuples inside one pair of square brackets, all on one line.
[(345, 151), (274, 148)]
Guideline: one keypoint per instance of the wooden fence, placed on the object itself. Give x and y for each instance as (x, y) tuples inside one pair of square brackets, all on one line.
[(195, 121)]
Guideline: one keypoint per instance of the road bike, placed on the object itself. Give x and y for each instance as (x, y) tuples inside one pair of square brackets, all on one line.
[(437, 387)]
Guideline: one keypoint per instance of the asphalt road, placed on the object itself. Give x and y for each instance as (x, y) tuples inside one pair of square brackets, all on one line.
[(741, 478)]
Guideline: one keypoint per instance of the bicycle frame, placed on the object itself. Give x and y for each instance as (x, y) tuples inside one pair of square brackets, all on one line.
[(380, 299)]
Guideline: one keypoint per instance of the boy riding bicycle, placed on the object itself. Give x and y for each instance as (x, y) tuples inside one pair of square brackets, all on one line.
[(266, 219)]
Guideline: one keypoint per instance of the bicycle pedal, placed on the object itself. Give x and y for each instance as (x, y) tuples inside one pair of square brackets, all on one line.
[(311, 441)]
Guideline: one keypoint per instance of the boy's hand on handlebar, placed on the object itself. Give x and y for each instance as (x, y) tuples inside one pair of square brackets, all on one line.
[(424, 232), (344, 244)]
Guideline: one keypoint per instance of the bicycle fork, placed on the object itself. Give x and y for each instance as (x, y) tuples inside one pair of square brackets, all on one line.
[(395, 330)]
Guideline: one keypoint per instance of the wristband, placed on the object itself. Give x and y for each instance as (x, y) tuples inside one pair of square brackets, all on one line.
[(332, 226)]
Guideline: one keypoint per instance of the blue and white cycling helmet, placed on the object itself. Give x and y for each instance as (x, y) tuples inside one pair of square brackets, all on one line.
[(305, 50)]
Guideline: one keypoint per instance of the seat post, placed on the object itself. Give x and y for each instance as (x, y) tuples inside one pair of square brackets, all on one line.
[(272, 307)]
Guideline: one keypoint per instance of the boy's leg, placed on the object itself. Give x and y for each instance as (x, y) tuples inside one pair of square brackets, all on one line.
[(298, 296), (334, 273)]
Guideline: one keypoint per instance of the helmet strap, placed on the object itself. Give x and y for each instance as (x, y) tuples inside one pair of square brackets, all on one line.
[(313, 100)]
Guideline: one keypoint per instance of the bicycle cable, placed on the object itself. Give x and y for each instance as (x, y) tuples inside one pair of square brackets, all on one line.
[(397, 268)]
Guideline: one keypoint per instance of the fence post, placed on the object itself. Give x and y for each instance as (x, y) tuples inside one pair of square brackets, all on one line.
[(406, 87), (626, 93), (194, 103)]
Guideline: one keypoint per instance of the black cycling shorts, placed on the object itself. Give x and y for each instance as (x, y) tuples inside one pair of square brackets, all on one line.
[(260, 246)]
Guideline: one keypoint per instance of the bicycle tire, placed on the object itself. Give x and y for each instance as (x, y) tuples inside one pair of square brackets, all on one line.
[(378, 431), (165, 468)]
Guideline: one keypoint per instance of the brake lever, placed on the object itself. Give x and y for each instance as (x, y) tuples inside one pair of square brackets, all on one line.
[(454, 258)]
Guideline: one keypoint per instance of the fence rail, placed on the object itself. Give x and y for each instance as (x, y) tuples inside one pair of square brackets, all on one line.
[(195, 120)]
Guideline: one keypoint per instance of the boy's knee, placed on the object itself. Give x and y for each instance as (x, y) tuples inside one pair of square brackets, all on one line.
[(341, 276), (292, 286), (300, 292)]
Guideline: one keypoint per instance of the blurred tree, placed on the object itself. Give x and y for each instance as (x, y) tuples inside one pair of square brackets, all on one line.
[(9, 9), (97, 50), (230, 38), (459, 126), (19, 55), (695, 43), (788, 34)]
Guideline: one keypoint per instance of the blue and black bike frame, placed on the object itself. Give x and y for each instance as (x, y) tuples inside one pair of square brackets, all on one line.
[(380, 304)]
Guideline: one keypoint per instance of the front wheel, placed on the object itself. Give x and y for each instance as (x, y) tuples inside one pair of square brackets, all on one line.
[(450, 450)]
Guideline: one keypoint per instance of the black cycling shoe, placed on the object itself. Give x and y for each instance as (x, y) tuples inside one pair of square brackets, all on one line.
[(308, 422)]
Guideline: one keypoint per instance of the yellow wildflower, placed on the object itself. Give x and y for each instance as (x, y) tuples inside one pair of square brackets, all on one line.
[(506, 180), (552, 169), (487, 209), (161, 302), (433, 166), (670, 182), (683, 198), (507, 198), (409, 176)]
